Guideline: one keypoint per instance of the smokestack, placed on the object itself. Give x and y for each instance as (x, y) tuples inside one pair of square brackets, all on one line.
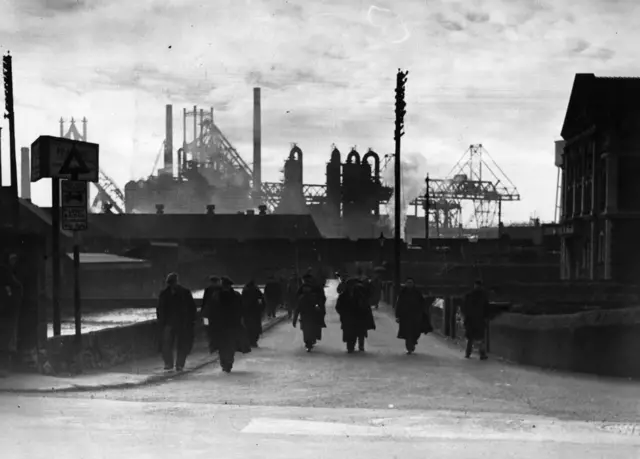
[(257, 146), (25, 174), (168, 141)]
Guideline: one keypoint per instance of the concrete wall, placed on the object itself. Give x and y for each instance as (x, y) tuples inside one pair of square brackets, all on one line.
[(601, 342), (101, 349), (605, 343)]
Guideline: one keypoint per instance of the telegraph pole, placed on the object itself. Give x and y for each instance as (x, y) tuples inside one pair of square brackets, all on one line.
[(401, 81), (426, 214), (7, 72)]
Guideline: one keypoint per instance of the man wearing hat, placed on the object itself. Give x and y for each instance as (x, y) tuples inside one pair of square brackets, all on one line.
[(311, 310), (226, 321), (176, 314)]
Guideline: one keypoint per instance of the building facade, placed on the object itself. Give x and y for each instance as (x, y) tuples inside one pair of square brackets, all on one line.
[(600, 164)]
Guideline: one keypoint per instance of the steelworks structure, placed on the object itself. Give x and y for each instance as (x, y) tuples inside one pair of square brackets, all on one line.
[(477, 178), (207, 172)]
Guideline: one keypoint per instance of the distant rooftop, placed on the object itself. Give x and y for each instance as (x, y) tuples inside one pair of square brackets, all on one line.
[(95, 258)]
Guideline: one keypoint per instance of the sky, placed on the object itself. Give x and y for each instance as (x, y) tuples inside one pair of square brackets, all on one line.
[(492, 72)]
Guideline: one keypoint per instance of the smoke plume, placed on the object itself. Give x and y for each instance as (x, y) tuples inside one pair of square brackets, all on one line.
[(414, 172)]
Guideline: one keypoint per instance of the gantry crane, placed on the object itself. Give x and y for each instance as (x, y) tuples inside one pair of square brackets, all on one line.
[(476, 177)]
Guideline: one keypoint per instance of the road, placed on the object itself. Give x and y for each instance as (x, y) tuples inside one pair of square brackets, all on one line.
[(281, 402)]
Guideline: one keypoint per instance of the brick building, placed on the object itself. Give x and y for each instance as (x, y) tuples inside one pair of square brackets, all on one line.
[(600, 163)]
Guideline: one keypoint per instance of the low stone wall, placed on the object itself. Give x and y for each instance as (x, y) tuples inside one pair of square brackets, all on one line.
[(109, 304), (605, 343), (101, 349)]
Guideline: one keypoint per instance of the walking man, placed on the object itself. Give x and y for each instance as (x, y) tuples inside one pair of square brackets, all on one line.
[(356, 317), (209, 297), (226, 319), (272, 296), (311, 311), (176, 314), (410, 310), (252, 310), (475, 311)]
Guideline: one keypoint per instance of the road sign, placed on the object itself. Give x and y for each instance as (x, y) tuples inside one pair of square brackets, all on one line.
[(74, 194), (60, 158), (75, 219), (75, 216)]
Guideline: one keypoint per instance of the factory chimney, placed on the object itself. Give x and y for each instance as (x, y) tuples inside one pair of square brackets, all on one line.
[(257, 147), (168, 141), (25, 174)]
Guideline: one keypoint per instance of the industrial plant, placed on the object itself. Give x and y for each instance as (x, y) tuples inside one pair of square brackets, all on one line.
[(204, 173)]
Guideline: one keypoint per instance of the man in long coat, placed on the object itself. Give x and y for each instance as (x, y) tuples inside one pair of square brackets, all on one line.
[(311, 311), (252, 309), (292, 294), (410, 311), (356, 317), (475, 310), (226, 319), (209, 297), (176, 314), (272, 296)]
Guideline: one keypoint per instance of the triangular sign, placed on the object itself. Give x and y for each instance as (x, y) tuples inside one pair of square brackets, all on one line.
[(74, 164)]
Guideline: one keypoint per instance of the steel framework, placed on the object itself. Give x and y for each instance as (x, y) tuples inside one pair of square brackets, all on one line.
[(476, 177)]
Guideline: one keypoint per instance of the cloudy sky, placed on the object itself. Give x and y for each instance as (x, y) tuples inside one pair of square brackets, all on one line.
[(496, 72)]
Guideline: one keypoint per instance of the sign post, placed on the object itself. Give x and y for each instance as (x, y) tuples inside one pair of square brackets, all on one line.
[(75, 218), (77, 162)]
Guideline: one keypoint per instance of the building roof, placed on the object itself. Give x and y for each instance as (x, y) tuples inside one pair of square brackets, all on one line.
[(42, 214), (90, 258), (171, 227), (599, 100)]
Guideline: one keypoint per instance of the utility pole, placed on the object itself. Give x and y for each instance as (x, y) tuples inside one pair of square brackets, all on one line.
[(401, 81), (7, 72), (426, 214), (0, 156)]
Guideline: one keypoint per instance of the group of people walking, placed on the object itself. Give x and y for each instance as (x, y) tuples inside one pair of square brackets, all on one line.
[(234, 320), (357, 297)]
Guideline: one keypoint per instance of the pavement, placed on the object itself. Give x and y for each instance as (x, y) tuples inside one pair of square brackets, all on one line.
[(282, 402), (137, 372)]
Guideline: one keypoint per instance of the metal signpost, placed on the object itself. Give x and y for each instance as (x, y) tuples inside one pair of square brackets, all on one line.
[(76, 163)]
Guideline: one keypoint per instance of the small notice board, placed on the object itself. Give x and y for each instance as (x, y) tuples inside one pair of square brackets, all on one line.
[(74, 200)]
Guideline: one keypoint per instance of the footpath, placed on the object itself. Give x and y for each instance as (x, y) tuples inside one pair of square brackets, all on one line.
[(138, 372)]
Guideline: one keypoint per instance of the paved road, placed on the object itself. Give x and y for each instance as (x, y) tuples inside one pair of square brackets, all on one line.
[(281, 402)]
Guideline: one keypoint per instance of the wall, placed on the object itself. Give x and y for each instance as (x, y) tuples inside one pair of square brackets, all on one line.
[(601, 342), (102, 349), (605, 343)]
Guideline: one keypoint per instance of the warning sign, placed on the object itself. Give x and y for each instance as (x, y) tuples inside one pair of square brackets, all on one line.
[(75, 216)]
